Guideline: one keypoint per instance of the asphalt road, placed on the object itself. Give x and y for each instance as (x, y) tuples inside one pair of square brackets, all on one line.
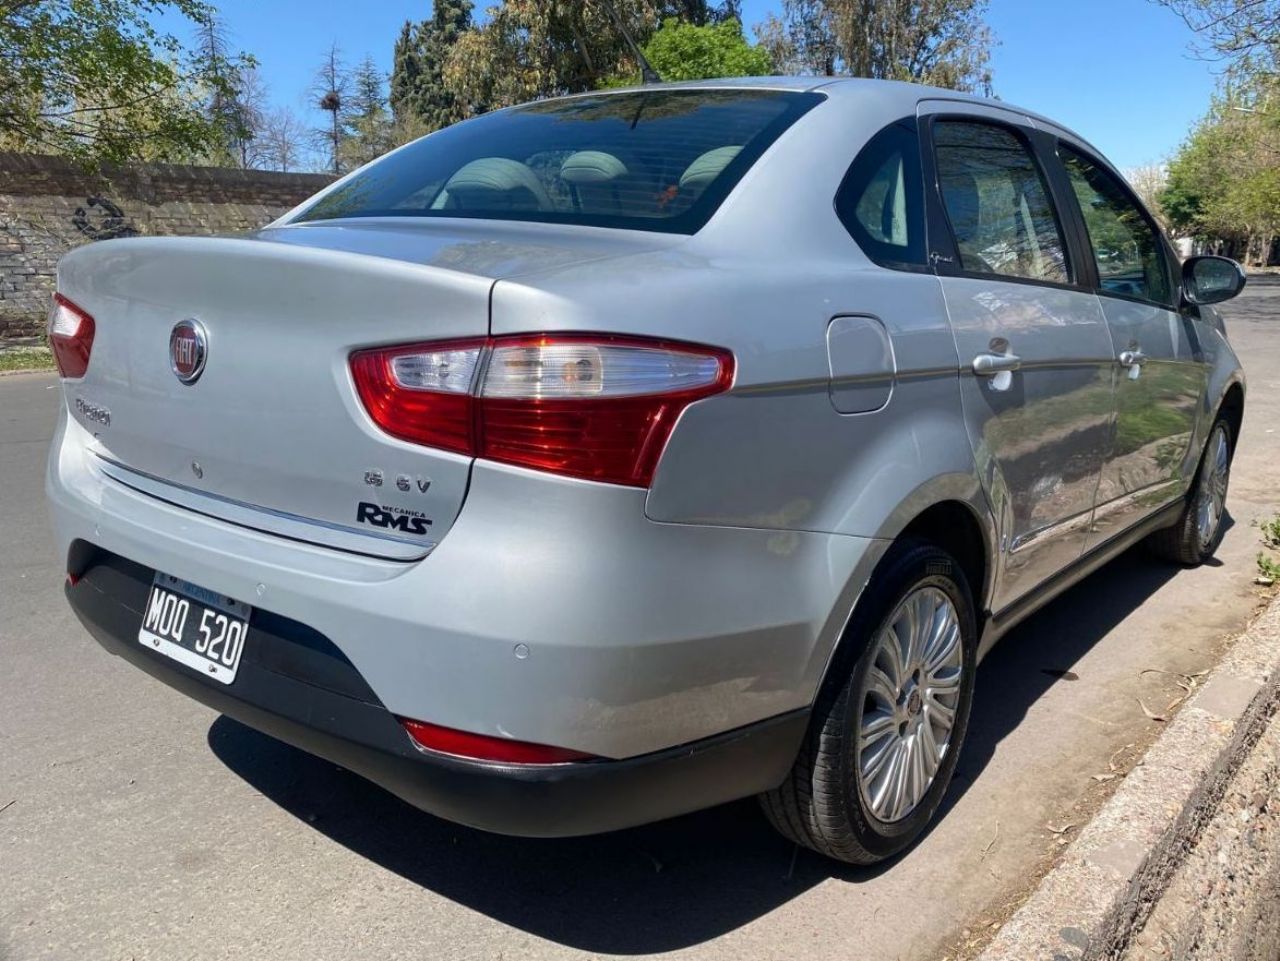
[(136, 824)]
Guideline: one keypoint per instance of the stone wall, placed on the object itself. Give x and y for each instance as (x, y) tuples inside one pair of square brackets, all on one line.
[(48, 206)]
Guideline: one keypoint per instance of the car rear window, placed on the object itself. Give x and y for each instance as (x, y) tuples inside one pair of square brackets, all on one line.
[(649, 160)]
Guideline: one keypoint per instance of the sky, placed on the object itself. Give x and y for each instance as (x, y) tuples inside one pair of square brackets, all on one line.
[(1119, 72)]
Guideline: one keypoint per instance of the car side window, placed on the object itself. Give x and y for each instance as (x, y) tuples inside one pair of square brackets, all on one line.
[(881, 201), (997, 202), (1126, 247)]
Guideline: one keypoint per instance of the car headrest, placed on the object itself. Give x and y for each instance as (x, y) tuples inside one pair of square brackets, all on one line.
[(591, 167), (707, 167), (491, 181), (964, 205)]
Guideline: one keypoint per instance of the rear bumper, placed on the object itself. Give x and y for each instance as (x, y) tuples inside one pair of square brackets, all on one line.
[(554, 611), (298, 687)]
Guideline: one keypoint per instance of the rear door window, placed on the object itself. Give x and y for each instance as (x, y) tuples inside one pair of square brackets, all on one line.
[(998, 203), (651, 160), (1126, 246)]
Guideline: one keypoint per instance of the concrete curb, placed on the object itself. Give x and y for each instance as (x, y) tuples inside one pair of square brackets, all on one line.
[(1098, 897)]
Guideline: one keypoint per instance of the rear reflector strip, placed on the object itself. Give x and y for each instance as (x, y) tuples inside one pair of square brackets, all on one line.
[(479, 747)]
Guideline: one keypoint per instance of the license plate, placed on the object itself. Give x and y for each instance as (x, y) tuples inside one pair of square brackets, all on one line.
[(193, 625)]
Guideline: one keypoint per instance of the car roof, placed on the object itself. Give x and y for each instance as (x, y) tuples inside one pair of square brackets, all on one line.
[(906, 94)]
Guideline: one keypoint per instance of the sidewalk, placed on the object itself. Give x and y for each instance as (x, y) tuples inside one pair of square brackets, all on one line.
[(1184, 861), (1223, 904)]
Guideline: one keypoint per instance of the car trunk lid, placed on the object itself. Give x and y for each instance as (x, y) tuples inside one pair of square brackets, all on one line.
[(271, 435)]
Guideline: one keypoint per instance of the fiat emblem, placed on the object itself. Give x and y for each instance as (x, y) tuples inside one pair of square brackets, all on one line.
[(188, 346)]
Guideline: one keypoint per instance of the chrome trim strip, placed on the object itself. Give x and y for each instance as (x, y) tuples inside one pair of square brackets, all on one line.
[(1000, 622), (1158, 493), (1058, 363), (265, 519), (1049, 531)]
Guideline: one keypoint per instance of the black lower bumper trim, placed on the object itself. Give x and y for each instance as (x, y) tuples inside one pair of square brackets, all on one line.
[(331, 720)]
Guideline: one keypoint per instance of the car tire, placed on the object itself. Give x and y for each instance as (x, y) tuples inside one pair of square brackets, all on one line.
[(1198, 531), (836, 800)]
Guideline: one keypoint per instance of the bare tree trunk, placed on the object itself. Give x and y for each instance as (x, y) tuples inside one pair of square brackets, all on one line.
[(337, 142), (1253, 254)]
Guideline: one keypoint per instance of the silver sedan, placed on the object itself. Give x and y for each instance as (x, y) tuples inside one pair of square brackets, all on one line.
[(610, 457)]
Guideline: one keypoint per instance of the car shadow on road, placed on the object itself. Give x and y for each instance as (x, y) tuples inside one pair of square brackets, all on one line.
[(1041, 651), (679, 882)]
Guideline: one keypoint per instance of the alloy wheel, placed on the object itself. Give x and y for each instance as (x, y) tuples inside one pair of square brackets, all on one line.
[(1212, 497), (910, 698)]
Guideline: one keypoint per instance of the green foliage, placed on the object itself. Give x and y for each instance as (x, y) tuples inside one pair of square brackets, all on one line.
[(1224, 183), (945, 43), (369, 128), (95, 80), (1268, 568), (420, 99), (1271, 533), (231, 97), (538, 48), (529, 49), (406, 71), (700, 12), (683, 51), (26, 358)]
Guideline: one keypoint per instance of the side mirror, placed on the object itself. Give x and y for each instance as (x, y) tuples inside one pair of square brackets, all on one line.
[(1211, 280)]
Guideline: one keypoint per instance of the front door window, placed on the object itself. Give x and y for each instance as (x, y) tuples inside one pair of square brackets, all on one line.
[(1125, 246)]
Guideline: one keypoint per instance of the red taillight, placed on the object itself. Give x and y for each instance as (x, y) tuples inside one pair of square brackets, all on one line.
[(480, 747), (422, 393), (595, 407), (71, 332)]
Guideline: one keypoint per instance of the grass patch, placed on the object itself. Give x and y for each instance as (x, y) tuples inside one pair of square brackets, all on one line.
[(26, 358), (1268, 568), (1271, 532)]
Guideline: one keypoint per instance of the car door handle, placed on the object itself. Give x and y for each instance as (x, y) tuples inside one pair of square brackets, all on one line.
[(988, 365), (1132, 358)]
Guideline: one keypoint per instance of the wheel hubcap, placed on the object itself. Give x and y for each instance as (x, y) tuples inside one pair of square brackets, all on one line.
[(1213, 487), (910, 698)]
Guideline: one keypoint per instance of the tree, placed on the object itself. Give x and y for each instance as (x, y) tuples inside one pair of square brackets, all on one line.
[(1224, 183), (234, 94), (1148, 182), (540, 48), (369, 126), (281, 141), (253, 100), (683, 51), (418, 89), (95, 79), (803, 39), (700, 12), (329, 92), (945, 43), (1232, 29), (406, 70)]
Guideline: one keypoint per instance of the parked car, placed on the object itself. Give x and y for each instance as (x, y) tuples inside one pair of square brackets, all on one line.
[(614, 456)]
